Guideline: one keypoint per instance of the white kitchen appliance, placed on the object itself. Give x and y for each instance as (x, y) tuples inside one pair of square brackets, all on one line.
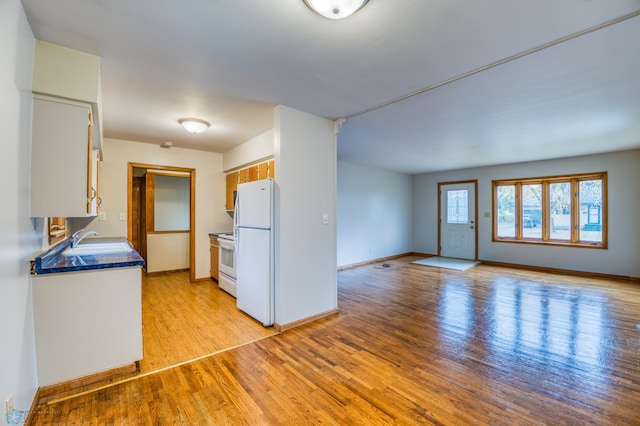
[(227, 263), (253, 228)]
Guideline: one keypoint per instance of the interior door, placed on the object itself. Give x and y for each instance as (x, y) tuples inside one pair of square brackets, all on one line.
[(458, 231)]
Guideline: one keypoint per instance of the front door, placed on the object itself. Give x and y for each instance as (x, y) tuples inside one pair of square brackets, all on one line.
[(458, 231)]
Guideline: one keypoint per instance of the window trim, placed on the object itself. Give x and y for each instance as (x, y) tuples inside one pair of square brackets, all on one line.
[(545, 181)]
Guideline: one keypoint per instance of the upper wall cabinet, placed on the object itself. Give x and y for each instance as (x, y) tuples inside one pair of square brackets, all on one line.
[(63, 160), (70, 74), (249, 174), (66, 134)]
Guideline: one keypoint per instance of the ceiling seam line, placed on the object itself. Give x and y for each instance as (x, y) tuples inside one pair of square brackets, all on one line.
[(498, 63)]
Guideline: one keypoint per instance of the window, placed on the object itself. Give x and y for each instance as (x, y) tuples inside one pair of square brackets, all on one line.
[(532, 210), (505, 202), (559, 210), (457, 206)]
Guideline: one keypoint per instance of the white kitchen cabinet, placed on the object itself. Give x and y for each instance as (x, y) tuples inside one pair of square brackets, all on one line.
[(67, 73), (63, 159), (86, 322)]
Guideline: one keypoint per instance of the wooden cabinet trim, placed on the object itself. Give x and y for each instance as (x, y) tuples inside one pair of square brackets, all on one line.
[(213, 252)]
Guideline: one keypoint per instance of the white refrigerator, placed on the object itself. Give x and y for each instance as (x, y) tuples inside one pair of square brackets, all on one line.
[(253, 228)]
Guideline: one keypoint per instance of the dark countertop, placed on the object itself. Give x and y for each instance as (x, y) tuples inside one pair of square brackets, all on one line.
[(52, 261), (215, 234)]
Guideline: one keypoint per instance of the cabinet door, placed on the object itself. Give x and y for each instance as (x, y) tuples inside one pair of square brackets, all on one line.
[(61, 175), (93, 199), (253, 173), (232, 185), (91, 190), (244, 176), (262, 170), (98, 168), (271, 170), (214, 247)]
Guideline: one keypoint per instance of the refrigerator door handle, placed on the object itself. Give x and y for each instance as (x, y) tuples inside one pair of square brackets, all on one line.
[(236, 215), (236, 210), (236, 246)]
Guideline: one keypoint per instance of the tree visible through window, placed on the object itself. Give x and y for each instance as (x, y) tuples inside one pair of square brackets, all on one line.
[(591, 210), (560, 211), (565, 210), (531, 210), (506, 211)]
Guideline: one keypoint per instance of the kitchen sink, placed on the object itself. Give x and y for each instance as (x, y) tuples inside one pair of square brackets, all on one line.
[(98, 248)]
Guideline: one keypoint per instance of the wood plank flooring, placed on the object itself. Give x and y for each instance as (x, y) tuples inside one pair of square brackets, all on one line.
[(412, 345), (183, 321)]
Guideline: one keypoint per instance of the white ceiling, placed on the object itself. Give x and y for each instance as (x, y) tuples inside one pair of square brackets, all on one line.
[(495, 81)]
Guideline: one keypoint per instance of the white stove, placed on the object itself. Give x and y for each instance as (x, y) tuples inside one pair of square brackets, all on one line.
[(227, 263)]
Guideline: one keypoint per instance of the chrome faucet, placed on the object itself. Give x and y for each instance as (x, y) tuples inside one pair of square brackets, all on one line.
[(76, 237)]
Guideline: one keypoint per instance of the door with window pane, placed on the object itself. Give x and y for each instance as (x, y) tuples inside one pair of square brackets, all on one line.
[(458, 231)]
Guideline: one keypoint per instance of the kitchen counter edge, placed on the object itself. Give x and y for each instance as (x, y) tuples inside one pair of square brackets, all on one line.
[(52, 261)]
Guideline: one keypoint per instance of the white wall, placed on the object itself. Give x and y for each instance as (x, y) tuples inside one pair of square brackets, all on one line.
[(167, 252), (171, 203), (210, 190), (374, 213), (255, 149), (305, 161), (18, 238), (623, 254)]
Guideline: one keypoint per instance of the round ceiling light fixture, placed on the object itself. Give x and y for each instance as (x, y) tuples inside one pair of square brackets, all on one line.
[(194, 125), (335, 9)]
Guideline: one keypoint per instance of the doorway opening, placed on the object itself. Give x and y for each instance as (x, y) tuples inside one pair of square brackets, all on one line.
[(141, 213)]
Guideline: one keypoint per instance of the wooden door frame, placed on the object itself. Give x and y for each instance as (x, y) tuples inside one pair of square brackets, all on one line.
[(192, 206), (136, 199), (475, 228)]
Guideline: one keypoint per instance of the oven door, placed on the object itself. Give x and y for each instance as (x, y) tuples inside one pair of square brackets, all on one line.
[(227, 258), (227, 284)]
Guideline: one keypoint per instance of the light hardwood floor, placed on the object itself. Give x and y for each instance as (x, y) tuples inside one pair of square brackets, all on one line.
[(412, 345), (183, 321)]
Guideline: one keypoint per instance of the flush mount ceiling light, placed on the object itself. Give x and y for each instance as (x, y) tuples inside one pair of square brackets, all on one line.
[(194, 125), (335, 9), (166, 144)]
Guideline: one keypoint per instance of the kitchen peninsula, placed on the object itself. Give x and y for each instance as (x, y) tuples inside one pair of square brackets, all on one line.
[(87, 305)]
